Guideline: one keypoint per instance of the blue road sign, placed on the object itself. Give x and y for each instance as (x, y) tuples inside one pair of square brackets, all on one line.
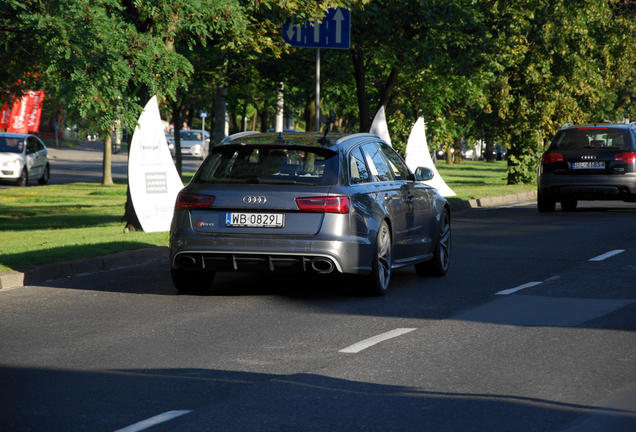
[(333, 32), (203, 114)]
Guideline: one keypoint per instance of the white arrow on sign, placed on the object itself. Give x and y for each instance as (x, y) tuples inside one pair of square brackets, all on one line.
[(338, 18), (290, 32), (316, 31)]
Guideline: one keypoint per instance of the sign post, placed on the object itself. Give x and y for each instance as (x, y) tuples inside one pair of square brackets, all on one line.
[(203, 115), (334, 31)]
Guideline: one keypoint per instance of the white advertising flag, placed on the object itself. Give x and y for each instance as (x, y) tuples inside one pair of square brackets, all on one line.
[(152, 177), (418, 155), (380, 126)]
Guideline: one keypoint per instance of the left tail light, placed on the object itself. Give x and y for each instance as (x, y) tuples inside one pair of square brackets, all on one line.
[(193, 202), (549, 158)]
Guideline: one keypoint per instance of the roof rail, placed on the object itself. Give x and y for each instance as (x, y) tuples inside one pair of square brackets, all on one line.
[(567, 125)]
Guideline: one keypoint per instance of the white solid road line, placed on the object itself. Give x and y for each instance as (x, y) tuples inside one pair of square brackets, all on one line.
[(145, 424), (357, 347), (607, 255), (519, 288)]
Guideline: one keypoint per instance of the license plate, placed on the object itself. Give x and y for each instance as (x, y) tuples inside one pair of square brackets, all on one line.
[(588, 165), (259, 220)]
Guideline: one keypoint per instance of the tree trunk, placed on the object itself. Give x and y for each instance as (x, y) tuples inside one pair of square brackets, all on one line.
[(310, 116), (359, 73), (107, 174), (449, 155), (457, 154), (130, 215), (263, 115), (388, 88)]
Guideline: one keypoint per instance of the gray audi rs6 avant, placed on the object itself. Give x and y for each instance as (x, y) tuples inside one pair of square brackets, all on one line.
[(308, 203)]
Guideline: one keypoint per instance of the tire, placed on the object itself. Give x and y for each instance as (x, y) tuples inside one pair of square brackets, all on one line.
[(569, 205), (23, 180), (45, 175), (545, 204), (377, 283), (439, 265), (192, 282)]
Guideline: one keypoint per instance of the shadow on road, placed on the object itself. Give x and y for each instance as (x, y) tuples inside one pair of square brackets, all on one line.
[(238, 401)]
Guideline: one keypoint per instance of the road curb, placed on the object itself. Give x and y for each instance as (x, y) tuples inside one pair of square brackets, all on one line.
[(48, 272), (460, 205)]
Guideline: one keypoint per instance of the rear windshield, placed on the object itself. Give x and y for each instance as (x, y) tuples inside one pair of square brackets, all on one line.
[(11, 145), (592, 138), (269, 165)]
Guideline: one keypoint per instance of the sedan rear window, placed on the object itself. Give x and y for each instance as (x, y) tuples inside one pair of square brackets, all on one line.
[(591, 138), (268, 165)]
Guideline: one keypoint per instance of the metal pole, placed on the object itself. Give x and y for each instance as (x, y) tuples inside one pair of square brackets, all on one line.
[(317, 89)]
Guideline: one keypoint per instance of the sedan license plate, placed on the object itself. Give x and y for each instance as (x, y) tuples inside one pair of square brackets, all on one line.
[(258, 220), (588, 165)]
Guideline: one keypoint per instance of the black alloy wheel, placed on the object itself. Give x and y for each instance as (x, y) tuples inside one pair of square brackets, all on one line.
[(377, 283), (438, 266)]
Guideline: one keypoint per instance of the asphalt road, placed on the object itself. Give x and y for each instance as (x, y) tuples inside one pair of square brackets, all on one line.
[(85, 164), (532, 329)]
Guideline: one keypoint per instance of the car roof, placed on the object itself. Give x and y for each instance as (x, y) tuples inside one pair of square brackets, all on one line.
[(597, 125), (301, 139), (14, 135)]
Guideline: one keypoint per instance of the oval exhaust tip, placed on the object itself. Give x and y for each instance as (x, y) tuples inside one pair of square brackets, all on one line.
[(322, 265)]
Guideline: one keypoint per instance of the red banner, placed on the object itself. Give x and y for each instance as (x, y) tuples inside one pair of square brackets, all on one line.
[(5, 115), (25, 115), (17, 122), (34, 110)]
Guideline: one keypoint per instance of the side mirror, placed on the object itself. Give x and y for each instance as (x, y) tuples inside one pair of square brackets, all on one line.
[(424, 174)]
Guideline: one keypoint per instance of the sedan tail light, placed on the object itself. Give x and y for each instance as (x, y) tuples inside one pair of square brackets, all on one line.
[(193, 202), (630, 158), (552, 158), (338, 204)]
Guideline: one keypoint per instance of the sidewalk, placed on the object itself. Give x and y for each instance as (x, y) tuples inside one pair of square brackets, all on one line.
[(47, 272)]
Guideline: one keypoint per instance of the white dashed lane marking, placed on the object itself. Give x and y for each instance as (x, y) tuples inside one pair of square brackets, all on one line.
[(531, 284), (145, 424), (519, 288), (607, 255)]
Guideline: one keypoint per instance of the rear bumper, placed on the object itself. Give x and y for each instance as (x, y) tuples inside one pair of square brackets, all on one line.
[(588, 188), (255, 254)]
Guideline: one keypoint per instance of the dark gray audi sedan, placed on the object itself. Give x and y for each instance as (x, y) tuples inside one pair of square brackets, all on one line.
[(593, 162), (308, 203)]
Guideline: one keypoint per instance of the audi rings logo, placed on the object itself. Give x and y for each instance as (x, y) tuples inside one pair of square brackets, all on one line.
[(254, 199), (588, 157)]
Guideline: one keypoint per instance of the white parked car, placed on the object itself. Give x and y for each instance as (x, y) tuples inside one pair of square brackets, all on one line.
[(23, 157), (195, 143)]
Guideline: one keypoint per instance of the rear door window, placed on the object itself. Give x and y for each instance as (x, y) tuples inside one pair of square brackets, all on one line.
[(377, 164)]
